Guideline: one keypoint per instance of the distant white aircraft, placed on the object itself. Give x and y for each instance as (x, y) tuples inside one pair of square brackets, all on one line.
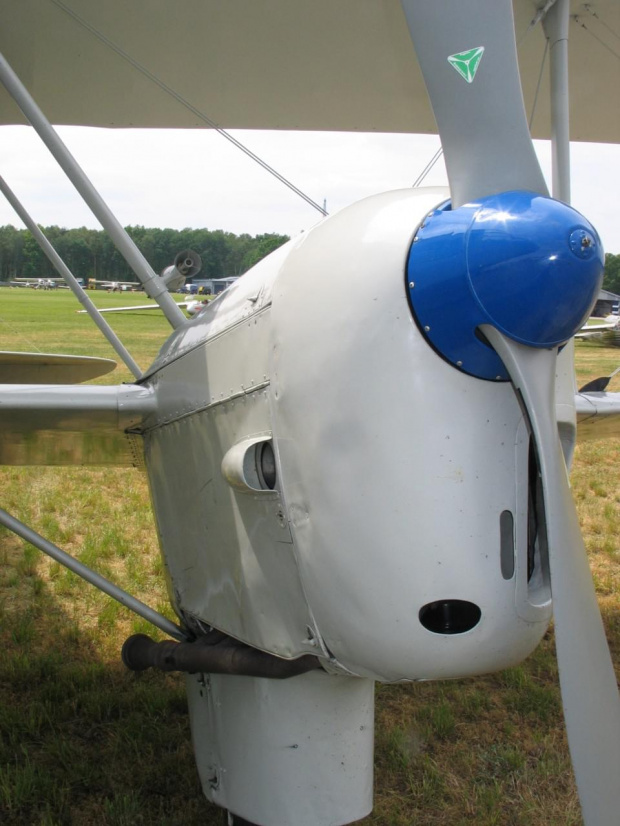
[(611, 322), (112, 286), (37, 283), (191, 307)]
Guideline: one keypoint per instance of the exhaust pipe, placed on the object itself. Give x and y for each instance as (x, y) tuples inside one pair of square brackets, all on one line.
[(186, 265), (215, 653)]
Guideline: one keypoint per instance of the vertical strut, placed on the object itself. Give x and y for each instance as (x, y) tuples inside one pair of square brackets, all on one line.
[(555, 24), (92, 577)]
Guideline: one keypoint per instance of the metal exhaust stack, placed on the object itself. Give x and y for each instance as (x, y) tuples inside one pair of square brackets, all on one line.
[(215, 653)]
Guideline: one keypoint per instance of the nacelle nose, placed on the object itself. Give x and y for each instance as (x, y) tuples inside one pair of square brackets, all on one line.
[(527, 264), (405, 482), (356, 495)]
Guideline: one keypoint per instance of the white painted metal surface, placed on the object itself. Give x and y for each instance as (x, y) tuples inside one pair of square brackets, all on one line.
[(233, 565), (296, 751), (395, 491), (565, 390), (386, 501)]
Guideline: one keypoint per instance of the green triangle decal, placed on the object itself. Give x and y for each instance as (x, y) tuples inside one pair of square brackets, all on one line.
[(466, 63)]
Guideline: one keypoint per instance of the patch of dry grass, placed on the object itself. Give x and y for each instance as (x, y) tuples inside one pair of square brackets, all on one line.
[(85, 742)]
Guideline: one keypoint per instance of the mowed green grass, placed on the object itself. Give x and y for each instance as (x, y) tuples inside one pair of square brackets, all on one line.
[(48, 321), (83, 741)]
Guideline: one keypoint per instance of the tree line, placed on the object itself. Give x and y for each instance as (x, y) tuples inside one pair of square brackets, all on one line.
[(611, 281), (90, 253)]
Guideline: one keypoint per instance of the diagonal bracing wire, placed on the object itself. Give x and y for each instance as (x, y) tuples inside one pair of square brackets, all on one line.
[(428, 167), (580, 22), (180, 99), (540, 77), (591, 11)]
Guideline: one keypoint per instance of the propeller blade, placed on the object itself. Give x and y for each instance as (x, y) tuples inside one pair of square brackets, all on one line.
[(587, 678), (468, 57)]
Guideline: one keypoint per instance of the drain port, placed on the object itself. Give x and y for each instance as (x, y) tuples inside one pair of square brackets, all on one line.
[(450, 616)]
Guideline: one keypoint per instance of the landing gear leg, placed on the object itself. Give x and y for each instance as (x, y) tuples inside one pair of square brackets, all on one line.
[(264, 747)]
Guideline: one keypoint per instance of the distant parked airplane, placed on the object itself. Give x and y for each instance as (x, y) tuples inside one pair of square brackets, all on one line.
[(611, 322), (37, 283), (113, 286), (191, 307)]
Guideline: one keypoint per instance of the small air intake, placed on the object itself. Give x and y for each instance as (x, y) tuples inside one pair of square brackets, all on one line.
[(450, 616)]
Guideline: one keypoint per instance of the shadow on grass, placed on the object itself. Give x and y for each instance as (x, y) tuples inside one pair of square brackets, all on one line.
[(82, 740)]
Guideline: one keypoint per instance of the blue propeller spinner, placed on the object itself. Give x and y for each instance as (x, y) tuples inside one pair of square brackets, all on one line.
[(527, 264)]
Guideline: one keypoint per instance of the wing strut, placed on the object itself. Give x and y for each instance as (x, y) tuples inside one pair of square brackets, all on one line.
[(555, 23), (66, 273), (153, 284), (92, 577)]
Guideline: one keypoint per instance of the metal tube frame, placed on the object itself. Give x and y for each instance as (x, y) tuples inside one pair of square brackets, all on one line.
[(68, 276), (153, 284), (556, 24), (92, 577)]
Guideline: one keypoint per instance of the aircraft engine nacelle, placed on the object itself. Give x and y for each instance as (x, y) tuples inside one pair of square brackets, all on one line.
[(354, 494), (186, 265)]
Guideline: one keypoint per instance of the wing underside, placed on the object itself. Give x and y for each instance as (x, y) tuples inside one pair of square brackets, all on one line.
[(349, 65), (73, 425)]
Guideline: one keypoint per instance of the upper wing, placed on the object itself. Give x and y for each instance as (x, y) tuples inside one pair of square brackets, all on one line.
[(349, 65)]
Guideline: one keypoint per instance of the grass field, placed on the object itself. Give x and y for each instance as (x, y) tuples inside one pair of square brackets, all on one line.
[(83, 741)]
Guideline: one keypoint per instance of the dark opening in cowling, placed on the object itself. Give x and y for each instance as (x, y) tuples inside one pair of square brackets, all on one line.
[(450, 616), (266, 465)]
